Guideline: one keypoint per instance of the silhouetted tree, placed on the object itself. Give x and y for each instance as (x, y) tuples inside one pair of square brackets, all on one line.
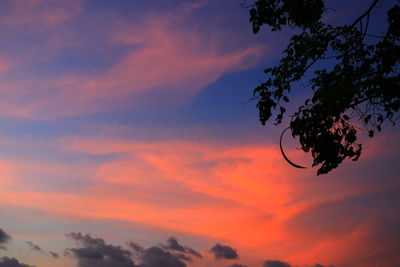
[(358, 84)]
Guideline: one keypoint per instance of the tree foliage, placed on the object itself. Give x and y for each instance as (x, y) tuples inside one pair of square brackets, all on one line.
[(358, 85)]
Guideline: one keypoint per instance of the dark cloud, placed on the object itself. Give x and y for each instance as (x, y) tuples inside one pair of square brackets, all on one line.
[(224, 252), (159, 257), (96, 252), (34, 246), (276, 263), (171, 254), (11, 262), (54, 255), (173, 244), (4, 237), (237, 265)]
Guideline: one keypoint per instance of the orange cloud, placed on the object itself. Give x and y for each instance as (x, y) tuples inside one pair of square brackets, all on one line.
[(178, 186), (246, 196)]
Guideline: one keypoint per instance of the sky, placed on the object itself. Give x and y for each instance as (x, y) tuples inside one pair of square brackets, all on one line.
[(128, 137)]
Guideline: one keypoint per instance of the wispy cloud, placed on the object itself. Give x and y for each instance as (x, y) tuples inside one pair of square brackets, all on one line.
[(159, 56), (34, 246), (256, 203)]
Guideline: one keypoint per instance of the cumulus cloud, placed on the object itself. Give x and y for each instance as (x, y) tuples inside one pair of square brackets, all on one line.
[(159, 257), (4, 238), (171, 254), (276, 263), (96, 252), (237, 265), (12, 262), (224, 252)]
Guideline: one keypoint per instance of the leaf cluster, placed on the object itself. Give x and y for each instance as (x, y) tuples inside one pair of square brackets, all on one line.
[(360, 83), (278, 13)]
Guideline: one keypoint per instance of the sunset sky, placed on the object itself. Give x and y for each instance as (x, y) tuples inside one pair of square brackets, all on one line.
[(128, 136)]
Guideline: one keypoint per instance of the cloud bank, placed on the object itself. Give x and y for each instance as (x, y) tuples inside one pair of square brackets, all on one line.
[(12, 262), (96, 252)]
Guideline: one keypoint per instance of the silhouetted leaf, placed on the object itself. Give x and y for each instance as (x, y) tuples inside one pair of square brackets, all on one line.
[(362, 78)]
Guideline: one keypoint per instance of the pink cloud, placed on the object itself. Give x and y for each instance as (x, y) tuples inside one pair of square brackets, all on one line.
[(39, 15), (162, 56), (6, 65)]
